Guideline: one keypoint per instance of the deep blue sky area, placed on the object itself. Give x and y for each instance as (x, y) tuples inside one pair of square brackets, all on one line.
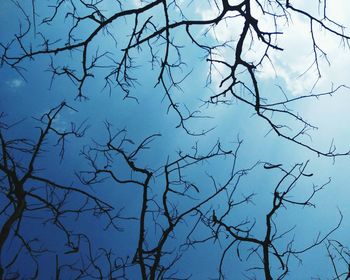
[(28, 94)]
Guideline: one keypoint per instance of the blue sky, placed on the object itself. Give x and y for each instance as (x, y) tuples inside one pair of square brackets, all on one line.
[(34, 96)]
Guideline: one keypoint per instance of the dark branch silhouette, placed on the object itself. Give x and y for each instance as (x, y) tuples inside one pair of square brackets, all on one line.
[(161, 189), (154, 29), (182, 205), (265, 247), (30, 196)]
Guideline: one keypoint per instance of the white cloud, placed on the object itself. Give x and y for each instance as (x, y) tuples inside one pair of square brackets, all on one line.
[(15, 83), (298, 56)]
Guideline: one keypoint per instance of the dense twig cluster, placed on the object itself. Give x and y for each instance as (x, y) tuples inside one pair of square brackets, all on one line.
[(156, 28), (31, 200), (265, 247), (183, 206), (161, 190), (160, 214)]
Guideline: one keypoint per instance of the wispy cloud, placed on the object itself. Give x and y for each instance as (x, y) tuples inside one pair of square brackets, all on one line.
[(15, 83)]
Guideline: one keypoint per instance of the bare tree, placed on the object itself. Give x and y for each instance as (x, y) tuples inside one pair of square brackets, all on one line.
[(179, 205), (158, 30), (168, 229), (160, 214), (265, 247), (177, 213), (35, 207)]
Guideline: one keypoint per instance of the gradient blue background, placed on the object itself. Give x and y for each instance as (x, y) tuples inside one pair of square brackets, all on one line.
[(32, 97)]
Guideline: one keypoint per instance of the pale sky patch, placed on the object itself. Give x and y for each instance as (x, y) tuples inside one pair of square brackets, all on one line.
[(15, 83)]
